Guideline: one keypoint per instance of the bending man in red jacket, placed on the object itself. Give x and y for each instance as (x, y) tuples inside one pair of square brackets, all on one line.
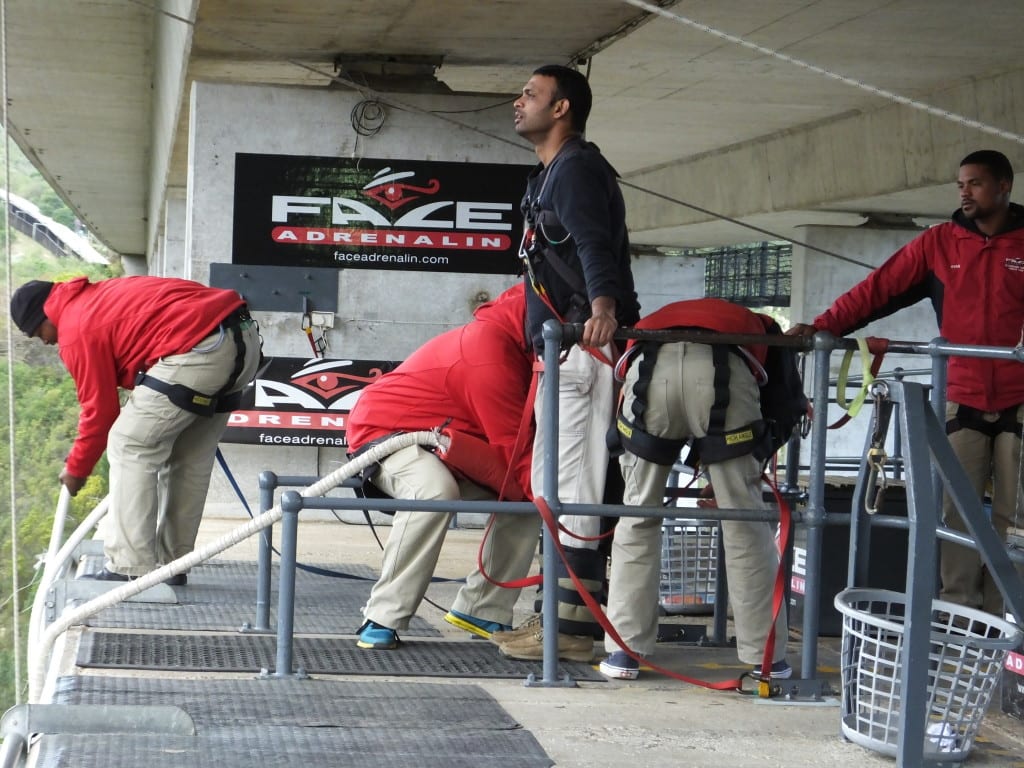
[(972, 269), (472, 382), (182, 349), (682, 382)]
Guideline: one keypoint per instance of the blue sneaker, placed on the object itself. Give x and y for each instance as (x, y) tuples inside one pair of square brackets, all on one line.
[(479, 627), (780, 670), (373, 635), (620, 666)]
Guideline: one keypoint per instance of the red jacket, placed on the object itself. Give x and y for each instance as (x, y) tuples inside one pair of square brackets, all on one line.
[(473, 379), (708, 314), (109, 331), (976, 286)]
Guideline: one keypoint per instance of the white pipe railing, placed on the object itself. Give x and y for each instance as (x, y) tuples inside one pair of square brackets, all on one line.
[(37, 664), (56, 562)]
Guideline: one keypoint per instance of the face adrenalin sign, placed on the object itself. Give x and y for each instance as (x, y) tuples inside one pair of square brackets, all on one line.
[(377, 214)]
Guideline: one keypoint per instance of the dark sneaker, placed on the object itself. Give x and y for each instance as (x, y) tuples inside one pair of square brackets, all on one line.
[(373, 635), (105, 575), (620, 666), (780, 670), (177, 580), (479, 627)]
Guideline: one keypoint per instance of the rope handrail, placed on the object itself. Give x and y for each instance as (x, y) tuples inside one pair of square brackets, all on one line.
[(37, 670)]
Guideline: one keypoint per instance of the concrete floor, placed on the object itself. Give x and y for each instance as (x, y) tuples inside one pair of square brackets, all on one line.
[(655, 721)]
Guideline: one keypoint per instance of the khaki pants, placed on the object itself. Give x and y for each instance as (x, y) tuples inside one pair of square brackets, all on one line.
[(161, 457), (414, 544), (679, 403), (965, 580), (585, 409)]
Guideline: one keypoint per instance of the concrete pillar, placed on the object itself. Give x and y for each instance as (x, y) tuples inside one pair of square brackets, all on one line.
[(660, 280), (173, 245), (134, 264)]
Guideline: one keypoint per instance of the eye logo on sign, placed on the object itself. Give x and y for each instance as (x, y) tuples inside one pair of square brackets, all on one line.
[(330, 384), (387, 190)]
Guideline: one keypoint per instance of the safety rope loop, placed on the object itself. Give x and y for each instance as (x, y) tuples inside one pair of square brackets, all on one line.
[(602, 619), (875, 348), (526, 581)]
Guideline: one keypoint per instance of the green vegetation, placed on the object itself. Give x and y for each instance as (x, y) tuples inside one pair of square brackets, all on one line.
[(45, 420), (26, 181)]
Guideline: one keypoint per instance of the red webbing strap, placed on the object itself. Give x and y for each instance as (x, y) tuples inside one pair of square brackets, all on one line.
[(597, 354), (877, 346), (599, 615), (779, 592), (517, 448)]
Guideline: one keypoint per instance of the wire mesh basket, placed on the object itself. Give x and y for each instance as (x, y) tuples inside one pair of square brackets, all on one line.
[(966, 655), (689, 566)]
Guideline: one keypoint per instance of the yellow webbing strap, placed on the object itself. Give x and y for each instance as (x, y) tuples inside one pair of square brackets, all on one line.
[(853, 407)]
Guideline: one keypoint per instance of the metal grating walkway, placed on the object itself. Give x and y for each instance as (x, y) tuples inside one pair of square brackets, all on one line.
[(311, 722), (221, 595), (315, 655)]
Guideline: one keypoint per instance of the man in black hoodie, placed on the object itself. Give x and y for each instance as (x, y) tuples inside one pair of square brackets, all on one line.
[(972, 269), (576, 258)]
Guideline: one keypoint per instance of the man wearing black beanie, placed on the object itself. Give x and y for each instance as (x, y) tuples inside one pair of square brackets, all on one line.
[(27, 305), (183, 350)]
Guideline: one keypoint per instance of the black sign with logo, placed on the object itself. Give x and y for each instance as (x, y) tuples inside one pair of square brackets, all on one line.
[(371, 213), (296, 401)]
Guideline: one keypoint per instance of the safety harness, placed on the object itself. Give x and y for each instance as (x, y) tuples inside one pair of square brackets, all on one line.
[(222, 401), (542, 233), (718, 445), (783, 407), (971, 418)]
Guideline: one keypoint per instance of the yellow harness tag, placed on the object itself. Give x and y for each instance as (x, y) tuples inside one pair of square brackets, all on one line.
[(739, 437)]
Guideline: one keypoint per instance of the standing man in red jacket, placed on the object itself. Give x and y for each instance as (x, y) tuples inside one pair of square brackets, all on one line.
[(183, 350), (472, 384), (972, 269)]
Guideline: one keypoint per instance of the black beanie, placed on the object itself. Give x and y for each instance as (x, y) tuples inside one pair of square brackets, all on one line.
[(27, 305)]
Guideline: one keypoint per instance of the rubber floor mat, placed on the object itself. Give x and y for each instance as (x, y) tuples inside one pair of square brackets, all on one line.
[(221, 596), (310, 723), (314, 655)]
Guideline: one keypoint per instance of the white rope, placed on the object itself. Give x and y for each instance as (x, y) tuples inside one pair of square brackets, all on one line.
[(15, 586), (908, 102), (54, 566), (37, 670)]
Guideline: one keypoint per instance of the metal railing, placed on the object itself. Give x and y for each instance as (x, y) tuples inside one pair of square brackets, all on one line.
[(926, 478)]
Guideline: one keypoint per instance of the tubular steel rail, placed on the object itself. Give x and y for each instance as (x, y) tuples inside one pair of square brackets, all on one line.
[(930, 466)]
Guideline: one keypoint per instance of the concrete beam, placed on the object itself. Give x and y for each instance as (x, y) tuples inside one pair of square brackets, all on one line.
[(837, 163), (172, 43)]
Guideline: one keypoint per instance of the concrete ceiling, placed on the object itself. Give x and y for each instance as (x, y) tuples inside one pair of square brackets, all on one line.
[(83, 105)]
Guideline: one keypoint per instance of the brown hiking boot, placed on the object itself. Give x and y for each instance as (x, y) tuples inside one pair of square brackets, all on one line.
[(531, 647), (529, 626)]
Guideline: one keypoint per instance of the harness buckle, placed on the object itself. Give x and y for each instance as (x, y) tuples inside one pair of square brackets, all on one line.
[(877, 479)]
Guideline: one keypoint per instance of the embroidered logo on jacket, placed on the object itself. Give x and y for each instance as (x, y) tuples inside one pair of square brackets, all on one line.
[(1014, 264)]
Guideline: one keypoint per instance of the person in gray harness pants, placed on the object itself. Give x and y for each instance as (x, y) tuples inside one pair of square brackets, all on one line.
[(709, 396), (185, 351)]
